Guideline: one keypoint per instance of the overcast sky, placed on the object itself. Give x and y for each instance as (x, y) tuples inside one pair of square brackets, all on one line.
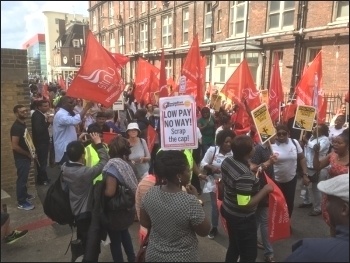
[(21, 20)]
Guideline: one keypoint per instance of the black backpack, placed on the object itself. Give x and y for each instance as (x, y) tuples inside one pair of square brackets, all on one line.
[(56, 204)]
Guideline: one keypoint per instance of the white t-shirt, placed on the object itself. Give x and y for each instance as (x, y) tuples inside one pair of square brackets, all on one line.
[(333, 132), (286, 165), (199, 135), (218, 158)]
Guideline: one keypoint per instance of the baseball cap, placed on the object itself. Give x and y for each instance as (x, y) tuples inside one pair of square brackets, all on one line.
[(337, 186)]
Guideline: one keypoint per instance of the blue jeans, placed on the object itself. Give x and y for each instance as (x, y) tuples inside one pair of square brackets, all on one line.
[(117, 239), (23, 167), (262, 214), (214, 210)]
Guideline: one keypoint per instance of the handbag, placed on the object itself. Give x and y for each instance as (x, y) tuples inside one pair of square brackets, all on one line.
[(314, 177), (141, 255), (208, 170)]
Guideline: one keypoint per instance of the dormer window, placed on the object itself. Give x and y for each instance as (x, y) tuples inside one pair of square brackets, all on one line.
[(76, 43)]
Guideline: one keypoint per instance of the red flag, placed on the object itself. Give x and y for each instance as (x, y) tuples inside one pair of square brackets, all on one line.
[(62, 83), (144, 80), (151, 137), (192, 69), (240, 87), (121, 59), (279, 222), (288, 112), (241, 121), (98, 78), (322, 112), (171, 83), (163, 89), (275, 91), (308, 88)]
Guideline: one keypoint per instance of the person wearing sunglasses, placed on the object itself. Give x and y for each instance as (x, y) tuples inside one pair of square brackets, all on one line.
[(288, 152)]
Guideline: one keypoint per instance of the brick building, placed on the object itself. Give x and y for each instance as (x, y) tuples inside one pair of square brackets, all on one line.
[(227, 30)]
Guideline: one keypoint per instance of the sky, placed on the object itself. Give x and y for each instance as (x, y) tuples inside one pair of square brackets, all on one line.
[(21, 20)]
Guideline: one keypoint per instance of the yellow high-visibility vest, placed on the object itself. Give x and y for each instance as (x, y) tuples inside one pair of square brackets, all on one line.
[(91, 159)]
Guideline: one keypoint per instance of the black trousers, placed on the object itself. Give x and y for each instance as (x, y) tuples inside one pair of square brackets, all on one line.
[(42, 152), (83, 225), (242, 234), (288, 190)]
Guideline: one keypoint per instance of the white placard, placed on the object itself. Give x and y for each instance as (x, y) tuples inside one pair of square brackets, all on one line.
[(182, 85), (119, 104), (178, 125)]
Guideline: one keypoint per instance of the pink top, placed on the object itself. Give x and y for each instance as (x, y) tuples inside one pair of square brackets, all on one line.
[(336, 168)]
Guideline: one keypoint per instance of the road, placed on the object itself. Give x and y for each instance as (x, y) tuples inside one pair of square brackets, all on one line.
[(47, 241)]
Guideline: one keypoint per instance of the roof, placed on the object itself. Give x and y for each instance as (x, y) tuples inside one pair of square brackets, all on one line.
[(74, 31), (239, 47)]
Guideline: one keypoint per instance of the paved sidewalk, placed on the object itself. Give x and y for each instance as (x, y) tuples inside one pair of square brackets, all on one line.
[(47, 241)]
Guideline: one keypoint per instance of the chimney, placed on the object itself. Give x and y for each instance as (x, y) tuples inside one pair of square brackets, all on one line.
[(61, 27)]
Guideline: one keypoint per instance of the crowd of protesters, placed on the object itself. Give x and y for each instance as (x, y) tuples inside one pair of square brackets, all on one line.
[(168, 184)]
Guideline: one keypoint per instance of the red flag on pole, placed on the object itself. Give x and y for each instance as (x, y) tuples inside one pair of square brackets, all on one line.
[(309, 85), (121, 59), (322, 112), (192, 69), (98, 78), (163, 88), (62, 84), (151, 137), (275, 91), (240, 87), (288, 112), (145, 80)]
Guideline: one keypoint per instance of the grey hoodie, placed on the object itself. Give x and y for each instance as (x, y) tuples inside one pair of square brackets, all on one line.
[(79, 179)]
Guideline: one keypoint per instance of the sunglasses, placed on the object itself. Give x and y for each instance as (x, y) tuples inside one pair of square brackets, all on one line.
[(282, 133)]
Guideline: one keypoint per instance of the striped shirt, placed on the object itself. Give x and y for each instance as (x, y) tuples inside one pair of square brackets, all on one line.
[(238, 179)]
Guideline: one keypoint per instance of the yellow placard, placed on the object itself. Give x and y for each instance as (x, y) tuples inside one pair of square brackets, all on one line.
[(215, 102), (263, 123), (304, 118), (29, 142)]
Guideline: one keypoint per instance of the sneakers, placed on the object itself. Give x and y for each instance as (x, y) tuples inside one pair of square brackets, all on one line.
[(213, 232), (26, 206), (14, 236), (30, 197)]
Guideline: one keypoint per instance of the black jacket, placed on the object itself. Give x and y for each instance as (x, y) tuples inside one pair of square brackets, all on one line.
[(40, 127)]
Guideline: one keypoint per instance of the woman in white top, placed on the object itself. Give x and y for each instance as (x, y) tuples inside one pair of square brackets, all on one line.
[(211, 162), (288, 152), (140, 155), (337, 128)]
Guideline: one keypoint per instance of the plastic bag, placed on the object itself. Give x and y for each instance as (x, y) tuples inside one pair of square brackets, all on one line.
[(210, 185)]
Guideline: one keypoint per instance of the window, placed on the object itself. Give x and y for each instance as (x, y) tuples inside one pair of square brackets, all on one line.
[(94, 21), (166, 30), (311, 53), (131, 38), (153, 33), (143, 7), (185, 20), (131, 8), (76, 43), (77, 60), (111, 12), (143, 37), (168, 68), (234, 58), (220, 65), (341, 10), (218, 29), (104, 40), (281, 15), (207, 22), (111, 40), (280, 59), (121, 41), (153, 4), (238, 14)]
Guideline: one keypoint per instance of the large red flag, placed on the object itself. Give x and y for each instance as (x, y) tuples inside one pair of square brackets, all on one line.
[(308, 88), (279, 222), (192, 69), (275, 91), (62, 83), (144, 80), (121, 59), (288, 112), (98, 78), (240, 87), (322, 112), (163, 88)]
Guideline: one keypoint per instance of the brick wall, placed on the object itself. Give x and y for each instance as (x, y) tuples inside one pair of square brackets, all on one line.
[(14, 90)]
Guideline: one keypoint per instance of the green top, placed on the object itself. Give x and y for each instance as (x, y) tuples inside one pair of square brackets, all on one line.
[(208, 132)]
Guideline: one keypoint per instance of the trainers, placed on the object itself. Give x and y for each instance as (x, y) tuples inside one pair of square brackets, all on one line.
[(26, 206), (30, 197), (213, 232), (14, 236)]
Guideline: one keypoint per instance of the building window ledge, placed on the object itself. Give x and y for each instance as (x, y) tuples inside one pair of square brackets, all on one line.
[(218, 32), (339, 22), (184, 45), (278, 30), (236, 38), (206, 41)]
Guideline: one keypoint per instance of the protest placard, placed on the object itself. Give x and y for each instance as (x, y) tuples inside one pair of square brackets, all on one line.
[(182, 85), (119, 104), (304, 118), (263, 123), (178, 123), (215, 102)]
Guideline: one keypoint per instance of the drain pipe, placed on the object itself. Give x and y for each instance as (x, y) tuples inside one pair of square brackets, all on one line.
[(212, 48)]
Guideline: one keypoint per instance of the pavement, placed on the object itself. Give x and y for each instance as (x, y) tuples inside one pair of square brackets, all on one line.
[(47, 241)]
